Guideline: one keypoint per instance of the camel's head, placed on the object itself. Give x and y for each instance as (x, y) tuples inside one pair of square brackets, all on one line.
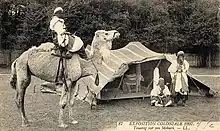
[(103, 39), (106, 36), (102, 43)]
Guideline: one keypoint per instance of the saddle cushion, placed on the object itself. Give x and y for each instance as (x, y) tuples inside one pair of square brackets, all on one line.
[(75, 43)]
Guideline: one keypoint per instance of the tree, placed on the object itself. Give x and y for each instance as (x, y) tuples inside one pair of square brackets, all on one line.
[(196, 22), (161, 25), (33, 29)]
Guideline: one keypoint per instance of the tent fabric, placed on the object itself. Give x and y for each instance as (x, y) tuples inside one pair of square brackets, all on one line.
[(117, 64)]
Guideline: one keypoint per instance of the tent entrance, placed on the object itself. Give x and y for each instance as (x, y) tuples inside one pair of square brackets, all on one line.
[(136, 82)]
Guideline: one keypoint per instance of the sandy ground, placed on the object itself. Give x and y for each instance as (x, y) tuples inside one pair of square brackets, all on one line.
[(42, 109)]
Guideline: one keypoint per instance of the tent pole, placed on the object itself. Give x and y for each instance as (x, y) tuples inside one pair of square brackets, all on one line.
[(119, 85), (138, 77)]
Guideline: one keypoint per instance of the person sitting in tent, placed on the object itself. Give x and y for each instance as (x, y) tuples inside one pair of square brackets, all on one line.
[(65, 41), (178, 72), (160, 95)]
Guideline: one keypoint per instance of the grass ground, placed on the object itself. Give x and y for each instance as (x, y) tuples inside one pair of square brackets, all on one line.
[(42, 109)]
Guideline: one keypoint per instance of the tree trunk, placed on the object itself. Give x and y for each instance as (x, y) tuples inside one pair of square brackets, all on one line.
[(209, 59), (1, 28), (9, 57)]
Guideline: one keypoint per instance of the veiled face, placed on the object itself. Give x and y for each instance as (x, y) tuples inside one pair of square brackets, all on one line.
[(180, 59), (106, 36), (59, 14)]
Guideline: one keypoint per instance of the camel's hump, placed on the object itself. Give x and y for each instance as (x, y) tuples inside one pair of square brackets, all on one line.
[(47, 47)]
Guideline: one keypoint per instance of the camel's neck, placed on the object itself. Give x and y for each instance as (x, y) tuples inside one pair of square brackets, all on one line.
[(88, 67), (98, 46)]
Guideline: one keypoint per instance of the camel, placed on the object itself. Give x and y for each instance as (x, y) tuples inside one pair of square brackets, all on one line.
[(38, 61), (98, 51)]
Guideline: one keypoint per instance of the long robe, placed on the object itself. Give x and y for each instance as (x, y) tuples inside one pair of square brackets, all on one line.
[(179, 79)]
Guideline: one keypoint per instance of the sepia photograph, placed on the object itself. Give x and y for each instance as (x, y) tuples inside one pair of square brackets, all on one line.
[(109, 65)]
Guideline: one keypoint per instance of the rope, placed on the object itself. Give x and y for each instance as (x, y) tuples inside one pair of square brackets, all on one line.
[(64, 77), (94, 66), (97, 75), (195, 84), (150, 83), (61, 63), (158, 63), (58, 71)]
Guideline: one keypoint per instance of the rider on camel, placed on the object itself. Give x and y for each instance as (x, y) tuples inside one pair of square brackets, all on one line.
[(64, 40)]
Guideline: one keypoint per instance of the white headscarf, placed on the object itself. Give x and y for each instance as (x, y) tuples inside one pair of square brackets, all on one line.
[(58, 9)]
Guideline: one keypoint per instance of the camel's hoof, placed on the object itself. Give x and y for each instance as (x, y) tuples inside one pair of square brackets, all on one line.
[(25, 124), (93, 107), (63, 125), (74, 122)]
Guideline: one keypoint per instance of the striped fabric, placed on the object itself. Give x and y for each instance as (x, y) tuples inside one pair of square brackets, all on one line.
[(117, 64)]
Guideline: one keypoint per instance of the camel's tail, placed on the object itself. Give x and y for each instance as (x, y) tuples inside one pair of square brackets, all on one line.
[(13, 79)]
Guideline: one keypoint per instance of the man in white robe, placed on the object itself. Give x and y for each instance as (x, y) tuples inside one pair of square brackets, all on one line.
[(160, 95), (65, 40), (178, 72)]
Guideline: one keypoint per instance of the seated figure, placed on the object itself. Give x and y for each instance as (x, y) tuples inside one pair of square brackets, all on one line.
[(160, 95), (64, 41)]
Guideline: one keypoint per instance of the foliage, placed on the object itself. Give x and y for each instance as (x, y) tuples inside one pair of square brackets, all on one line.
[(34, 26), (161, 25), (196, 23)]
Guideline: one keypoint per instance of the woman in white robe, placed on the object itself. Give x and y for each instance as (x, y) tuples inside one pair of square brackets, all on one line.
[(178, 72)]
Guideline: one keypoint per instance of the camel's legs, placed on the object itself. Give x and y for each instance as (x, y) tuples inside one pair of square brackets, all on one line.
[(72, 120), (71, 103), (22, 83), (63, 102)]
